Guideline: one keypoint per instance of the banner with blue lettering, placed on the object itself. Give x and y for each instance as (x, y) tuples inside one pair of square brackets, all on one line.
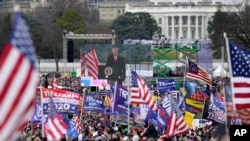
[(216, 111), (165, 85), (121, 99), (37, 116), (66, 101), (158, 119), (93, 104)]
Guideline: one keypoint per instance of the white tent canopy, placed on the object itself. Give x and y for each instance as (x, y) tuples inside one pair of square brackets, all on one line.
[(219, 71)]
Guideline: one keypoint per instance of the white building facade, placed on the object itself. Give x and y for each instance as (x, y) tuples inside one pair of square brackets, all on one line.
[(182, 20)]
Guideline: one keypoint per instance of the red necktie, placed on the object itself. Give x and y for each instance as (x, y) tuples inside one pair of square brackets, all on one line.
[(115, 59)]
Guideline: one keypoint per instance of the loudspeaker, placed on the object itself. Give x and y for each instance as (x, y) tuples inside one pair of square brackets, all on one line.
[(70, 50), (101, 74)]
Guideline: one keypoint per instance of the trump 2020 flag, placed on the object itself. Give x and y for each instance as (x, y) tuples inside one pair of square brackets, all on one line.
[(19, 80)]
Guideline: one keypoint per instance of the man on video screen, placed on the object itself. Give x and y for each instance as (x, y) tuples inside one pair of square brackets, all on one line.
[(117, 63)]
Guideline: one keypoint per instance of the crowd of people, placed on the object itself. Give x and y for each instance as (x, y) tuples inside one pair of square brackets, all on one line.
[(102, 127)]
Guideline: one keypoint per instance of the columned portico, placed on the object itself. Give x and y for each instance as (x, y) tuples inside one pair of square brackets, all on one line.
[(197, 27), (173, 32), (180, 27), (188, 27)]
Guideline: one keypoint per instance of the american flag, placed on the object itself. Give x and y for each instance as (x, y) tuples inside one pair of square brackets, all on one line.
[(90, 63), (197, 73), (55, 85), (140, 92), (19, 80), (240, 75), (177, 123), (56, 128), (78, 124)]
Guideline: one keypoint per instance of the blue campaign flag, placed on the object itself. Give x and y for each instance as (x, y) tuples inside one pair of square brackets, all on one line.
[(158, 119), (94, 104), (217, 102), (121, 99), (37, 116), (165, 85)]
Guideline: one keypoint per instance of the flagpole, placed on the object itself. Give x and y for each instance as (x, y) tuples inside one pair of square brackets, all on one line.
[(204, 102), (230, 72), (129, 94), (41, 95), (185, 71)]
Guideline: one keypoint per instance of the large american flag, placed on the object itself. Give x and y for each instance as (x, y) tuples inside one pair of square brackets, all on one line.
[(177, 123), (19, 80), (197, 73), (140, 93), (240, 75), (56, 127), (90, 63)]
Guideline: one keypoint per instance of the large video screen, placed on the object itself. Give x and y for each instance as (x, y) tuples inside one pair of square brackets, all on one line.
[(130, 57)]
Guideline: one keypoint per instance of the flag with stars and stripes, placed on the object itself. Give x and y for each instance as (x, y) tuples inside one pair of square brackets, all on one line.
[(177, 124), (140, 93), (55, 84), (77, 122), (240, 75), (90, 63), (56, 127), (198, 73), (19, 80)]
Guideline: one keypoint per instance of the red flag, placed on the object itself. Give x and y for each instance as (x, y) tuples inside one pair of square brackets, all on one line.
[(91, 63), (140, 92), (19, 80)]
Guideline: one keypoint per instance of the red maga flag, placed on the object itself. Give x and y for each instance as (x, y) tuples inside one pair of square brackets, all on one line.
[(197, 73), (91, 63), (19, 80), (140, 92)]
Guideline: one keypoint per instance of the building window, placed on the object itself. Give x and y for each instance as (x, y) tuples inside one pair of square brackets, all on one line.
[(192, 20), (118, 11), (169, 20), (176, 20), (184, 34), (176, 34), (169, 32), (199, 20), (193, 34), (184, 20), (199, 32), (159, 20)]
